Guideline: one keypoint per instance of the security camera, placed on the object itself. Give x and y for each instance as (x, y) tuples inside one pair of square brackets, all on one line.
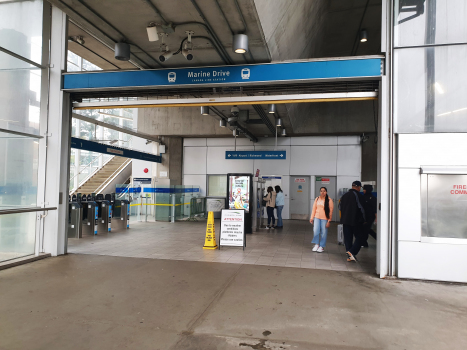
[(165, 56), (234, 111), (188, 55)]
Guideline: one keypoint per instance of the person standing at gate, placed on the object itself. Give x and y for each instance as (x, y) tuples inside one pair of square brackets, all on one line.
[(353, 219), (321, 216), (370, 205), (270, 199), (280, 200)]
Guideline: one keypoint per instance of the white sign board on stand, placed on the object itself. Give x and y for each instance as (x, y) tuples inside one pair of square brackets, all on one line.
[(232, 231)]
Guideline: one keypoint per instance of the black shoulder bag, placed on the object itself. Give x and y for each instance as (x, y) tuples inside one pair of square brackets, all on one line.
[(360, 213)]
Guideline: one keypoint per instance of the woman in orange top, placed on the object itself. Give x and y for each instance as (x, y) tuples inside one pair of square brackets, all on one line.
[(321, 219)]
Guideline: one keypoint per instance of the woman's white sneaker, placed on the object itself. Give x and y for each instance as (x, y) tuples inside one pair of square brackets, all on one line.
[(315, 248), (320, 250)]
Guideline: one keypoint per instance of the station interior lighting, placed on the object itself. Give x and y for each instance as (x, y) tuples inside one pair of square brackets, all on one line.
[(222, 123), (272, 108), (204, 110), (279, 122), (152, 32), (363, 36), (235, 132), (122, 51), (283, 133), (240, 43)]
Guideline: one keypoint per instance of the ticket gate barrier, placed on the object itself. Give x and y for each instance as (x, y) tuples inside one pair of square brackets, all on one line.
[(90, 218), (105, 216), (75, 221), (123, 208)]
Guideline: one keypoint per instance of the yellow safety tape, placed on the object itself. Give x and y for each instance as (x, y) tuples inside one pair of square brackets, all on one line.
[(134, 205)]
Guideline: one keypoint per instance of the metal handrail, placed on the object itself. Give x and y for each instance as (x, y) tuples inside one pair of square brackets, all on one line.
[(79, 172), (91, 174), (25, 210)]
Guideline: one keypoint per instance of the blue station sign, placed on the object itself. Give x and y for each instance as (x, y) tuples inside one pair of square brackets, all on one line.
[(255, 155), (255, 73)]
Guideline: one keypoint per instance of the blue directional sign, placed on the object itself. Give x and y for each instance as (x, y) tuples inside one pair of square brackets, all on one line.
[(255, 155), (254, 73)]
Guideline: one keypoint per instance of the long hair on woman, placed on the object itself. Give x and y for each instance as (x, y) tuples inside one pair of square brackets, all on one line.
[(326, 203), (270, 189), (278, 189)]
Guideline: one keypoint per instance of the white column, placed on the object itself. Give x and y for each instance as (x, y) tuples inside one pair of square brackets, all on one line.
[(55, 191)]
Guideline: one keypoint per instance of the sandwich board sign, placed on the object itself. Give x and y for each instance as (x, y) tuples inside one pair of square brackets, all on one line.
[(232, 231)]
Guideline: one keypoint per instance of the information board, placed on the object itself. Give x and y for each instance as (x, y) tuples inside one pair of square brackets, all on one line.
[(232, 231)]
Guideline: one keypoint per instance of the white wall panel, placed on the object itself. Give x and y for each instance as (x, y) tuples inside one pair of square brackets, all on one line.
[(348, 140), (196, 180), (441, 262), (228, 141), (432, 149), (409, 206), (349, 160), (313, 141), (217, 164), (194, 141), (271, 141), (345, 182), (313, 160), (285, 185), (194, 160), (277, 167)]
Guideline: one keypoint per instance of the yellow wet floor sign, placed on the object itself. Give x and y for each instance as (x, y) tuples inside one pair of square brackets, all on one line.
[(210, 241)]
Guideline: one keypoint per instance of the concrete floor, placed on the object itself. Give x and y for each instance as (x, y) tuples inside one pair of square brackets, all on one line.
[(290, 246), (105, 302)]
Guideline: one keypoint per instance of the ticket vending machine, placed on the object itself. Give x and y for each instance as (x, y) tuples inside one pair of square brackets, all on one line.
[(239, 196), (105, 214), (90, 215)]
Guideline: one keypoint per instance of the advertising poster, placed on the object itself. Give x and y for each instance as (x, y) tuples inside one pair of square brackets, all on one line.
[(232, 228), (239, 192)]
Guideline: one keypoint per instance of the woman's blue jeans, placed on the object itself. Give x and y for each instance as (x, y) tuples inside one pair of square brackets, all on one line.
[(279, 215), (270, 211), (320, 232)]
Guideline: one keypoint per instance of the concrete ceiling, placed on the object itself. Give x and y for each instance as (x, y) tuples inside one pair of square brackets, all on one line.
[(126, 20), (277, 30)]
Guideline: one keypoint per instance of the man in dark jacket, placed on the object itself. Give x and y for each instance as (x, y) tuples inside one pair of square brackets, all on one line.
[(352, 219), (370, 205)]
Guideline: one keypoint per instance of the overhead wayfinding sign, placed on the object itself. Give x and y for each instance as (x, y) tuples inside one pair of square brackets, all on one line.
[(257, 73), (232, 228), (123, 152), (255, 154)]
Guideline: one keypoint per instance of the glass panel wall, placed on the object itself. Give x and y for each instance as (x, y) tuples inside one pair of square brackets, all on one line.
[(420, 22), (429, 80), (19, 157), (20, 85), (21, 30)]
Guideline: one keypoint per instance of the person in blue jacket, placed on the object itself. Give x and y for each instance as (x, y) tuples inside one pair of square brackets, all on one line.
[(279, 205)]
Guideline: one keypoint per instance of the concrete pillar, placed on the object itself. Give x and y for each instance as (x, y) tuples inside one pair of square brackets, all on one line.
[(172, 161)]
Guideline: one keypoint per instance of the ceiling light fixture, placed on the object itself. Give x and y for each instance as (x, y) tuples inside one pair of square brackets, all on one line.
[(152, 32), (235, 132), (204, 110), (283, 132), (272, 108), (122, 51), (240, 43), (363, 36), (222, 123), (279, 122)]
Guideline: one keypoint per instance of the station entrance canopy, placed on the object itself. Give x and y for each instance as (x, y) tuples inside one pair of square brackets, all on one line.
[(335, 79)]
